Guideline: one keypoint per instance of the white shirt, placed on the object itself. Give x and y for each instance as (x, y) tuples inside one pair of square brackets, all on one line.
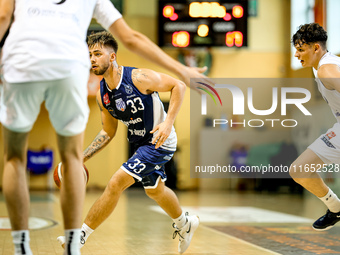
[(47, 39), (332, 97)]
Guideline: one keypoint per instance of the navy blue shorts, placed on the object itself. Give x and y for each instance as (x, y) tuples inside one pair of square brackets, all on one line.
[(147, 165)]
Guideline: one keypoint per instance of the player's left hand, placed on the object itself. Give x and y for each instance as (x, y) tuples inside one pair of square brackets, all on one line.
[(163, 131)]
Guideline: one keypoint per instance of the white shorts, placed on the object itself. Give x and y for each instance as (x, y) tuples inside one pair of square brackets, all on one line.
[(65, 100), (327, 146)]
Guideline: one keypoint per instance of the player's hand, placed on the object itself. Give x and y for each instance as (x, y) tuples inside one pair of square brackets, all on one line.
[(163, 131), (197, 73)]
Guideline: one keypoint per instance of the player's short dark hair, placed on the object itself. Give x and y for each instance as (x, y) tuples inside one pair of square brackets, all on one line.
[(103, 38), (310, 33)]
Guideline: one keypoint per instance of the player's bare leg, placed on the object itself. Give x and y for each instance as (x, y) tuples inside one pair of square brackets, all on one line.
[(184, 224), (15, 188), (104, 205), (166, 199), (302, 174), (14, 179), (107, 202), (72, 192)]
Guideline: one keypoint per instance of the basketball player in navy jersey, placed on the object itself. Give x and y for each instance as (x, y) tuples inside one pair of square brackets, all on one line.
[(130, 95), (310, 43)]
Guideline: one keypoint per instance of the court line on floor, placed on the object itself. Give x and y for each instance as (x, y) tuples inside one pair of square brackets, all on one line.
[(239, 214), (240, 240)]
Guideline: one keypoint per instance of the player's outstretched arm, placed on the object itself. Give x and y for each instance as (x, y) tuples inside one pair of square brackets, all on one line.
[(6, 12), (143, 46), (329, 74), (148, 81), (105, 135)]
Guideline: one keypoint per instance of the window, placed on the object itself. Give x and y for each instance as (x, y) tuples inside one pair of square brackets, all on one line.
[(333, 25), (302, 12)]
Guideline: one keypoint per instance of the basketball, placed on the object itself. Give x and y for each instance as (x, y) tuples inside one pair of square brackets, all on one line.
[(58, 174)]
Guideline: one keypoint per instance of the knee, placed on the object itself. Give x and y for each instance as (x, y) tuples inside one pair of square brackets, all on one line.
[(303, 181), (296, 174), (18, 160), (293, 173), (113, 187), (15, 158), (154, 193), (15, 146), (299, 175), (70, 156), (119, 183), (15, 154), (70, 148)]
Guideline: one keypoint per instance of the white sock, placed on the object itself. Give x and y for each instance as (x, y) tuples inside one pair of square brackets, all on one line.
[(180, 221), (332, 201), (87, 230), (72, 237), (21, 240)]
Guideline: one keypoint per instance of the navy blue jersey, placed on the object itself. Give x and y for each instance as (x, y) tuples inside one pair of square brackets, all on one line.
[(139, 112)]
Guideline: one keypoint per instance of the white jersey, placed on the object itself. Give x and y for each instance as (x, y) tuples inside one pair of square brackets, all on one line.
[(332, 97), (48, 37)]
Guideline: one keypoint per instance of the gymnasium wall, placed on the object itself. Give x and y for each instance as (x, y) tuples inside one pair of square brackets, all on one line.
[(266, 56)]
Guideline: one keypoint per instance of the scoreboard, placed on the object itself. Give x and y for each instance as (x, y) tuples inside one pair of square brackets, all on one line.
[(189, 23)]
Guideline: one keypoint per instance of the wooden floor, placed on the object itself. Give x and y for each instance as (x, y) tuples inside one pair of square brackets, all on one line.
[(137, 228)]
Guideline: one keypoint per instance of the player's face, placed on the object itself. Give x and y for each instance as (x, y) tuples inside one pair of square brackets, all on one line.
[(100, 59), (305, 53)]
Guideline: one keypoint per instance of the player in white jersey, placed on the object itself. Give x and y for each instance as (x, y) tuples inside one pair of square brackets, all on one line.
[(310, 43), (45, 58)]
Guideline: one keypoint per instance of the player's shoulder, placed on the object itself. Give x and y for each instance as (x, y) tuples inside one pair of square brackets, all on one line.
[(144, 76), (329, 71)]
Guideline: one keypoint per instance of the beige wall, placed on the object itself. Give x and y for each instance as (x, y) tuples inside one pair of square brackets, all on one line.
[(266, 56), (101, 167)]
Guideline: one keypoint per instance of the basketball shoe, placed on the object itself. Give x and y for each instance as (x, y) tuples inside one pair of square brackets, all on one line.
[(326, 221), (62, 240), (186, 232)]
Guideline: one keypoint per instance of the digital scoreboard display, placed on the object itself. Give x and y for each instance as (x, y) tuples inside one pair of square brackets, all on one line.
[(187, 23)]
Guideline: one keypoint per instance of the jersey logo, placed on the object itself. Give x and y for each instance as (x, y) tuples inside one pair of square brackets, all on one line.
[(326, 139), (128, 89), (106, 99), (61, 2), (331, 134), (120, 104)]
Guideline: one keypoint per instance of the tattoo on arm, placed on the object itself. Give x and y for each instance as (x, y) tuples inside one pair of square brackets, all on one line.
[(137, 75), (97, 144), (100, 107)]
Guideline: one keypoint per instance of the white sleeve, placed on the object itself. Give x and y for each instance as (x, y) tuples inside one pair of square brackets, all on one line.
[(105, 13)]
